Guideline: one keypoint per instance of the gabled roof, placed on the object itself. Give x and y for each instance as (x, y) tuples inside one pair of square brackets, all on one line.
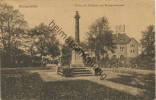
[(134, 39), (121, 38)]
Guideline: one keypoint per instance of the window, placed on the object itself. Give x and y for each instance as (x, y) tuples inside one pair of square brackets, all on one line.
[(121, 48), (132, 51), (151, 38), (132, 45), (114, 56), (121, 57)]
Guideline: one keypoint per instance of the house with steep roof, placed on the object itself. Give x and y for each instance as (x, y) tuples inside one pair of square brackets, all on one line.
[(126, 47)]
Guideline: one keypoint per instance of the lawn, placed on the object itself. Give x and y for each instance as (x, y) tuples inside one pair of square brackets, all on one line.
[(142, 81), (22, 85)]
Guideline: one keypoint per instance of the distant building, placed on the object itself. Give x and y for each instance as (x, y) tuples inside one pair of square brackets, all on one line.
[(125, 46)]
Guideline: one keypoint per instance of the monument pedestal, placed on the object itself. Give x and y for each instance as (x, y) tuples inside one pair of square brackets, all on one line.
[(77, 60)]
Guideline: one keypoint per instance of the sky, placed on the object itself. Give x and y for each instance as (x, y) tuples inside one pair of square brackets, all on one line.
[(136, 15)]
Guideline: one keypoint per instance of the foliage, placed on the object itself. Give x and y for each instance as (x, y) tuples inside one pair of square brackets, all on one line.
[(12, 30), (148, 41), (19, 58), (143, 62), (146, 60), (20, 46), (12, 25), (45, 40), (66, 55), (100, 38)]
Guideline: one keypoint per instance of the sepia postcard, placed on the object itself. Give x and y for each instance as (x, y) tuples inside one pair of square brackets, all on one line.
[(77, 50)]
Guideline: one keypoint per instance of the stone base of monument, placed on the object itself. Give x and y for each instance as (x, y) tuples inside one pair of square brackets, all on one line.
[(81, 71), (64, 71), (74, 71), (77, 60), (77, 67)]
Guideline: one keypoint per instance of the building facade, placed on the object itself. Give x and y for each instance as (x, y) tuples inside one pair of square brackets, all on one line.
[(126, 47)]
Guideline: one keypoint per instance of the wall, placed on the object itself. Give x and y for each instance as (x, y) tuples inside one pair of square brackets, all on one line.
[(132, 48)]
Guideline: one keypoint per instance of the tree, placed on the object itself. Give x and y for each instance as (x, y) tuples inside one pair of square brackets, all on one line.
[(147, 58), (66, 54), (12, 23), (45, 41), (148, 41), (12, 26), (100, 38)]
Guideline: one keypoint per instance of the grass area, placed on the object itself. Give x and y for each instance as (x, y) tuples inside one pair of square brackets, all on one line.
[(142, 81), (19, 85), (22, 85)]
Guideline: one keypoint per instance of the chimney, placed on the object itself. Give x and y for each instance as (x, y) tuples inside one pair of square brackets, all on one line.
[(120, 29), (117, 31)]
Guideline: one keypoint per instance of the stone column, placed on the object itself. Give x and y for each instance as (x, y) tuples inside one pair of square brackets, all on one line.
[(77, 17), (77, 60)]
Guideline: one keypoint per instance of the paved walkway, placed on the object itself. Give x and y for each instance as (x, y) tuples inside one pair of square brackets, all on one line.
[(49, 75)]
